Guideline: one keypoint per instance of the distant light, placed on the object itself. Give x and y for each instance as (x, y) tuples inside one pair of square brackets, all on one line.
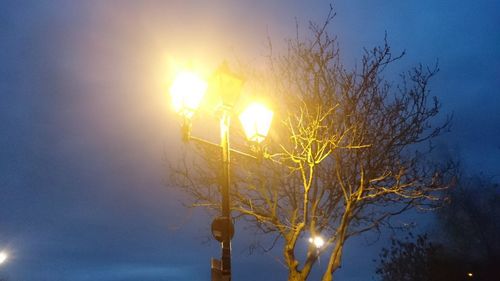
[(470, 274), (187, 91), (317, 241), (3, 257), (256, 120)]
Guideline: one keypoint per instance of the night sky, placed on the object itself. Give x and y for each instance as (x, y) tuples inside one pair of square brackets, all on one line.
[(86, 131)]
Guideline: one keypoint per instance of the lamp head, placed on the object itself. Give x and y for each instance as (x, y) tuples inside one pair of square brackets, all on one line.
[(227, 85), (256, 120), (187, 91)]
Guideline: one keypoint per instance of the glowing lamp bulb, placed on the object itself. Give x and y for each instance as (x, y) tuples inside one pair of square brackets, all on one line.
[(3, 257), (187, 91), (317, 241), (256, 120)]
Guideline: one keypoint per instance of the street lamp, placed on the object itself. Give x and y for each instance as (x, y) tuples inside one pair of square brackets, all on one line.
[(187, 91)]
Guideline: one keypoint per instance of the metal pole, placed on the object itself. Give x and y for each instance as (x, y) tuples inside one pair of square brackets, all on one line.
[(226, 211)]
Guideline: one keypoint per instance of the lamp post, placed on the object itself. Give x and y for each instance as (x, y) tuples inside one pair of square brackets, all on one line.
[(187, 93)]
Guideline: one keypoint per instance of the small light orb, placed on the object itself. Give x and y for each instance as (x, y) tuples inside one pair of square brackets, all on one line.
[(3, 257), (317, 241)]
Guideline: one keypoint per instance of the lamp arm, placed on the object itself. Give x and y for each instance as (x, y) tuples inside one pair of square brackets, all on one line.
[(209, 143)]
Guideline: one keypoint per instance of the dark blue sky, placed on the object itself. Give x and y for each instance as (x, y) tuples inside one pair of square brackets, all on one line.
[(86, 131)]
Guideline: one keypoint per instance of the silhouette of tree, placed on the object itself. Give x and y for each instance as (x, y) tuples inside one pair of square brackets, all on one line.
[(471, 220), (470, 248)]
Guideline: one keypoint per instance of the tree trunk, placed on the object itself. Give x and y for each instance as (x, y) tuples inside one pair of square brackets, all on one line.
[(334, 261), (294, 275)]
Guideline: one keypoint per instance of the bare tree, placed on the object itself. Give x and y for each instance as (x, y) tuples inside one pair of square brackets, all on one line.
[(342, 158)]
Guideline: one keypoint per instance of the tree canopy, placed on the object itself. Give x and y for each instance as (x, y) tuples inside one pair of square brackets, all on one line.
[(342, 157)]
